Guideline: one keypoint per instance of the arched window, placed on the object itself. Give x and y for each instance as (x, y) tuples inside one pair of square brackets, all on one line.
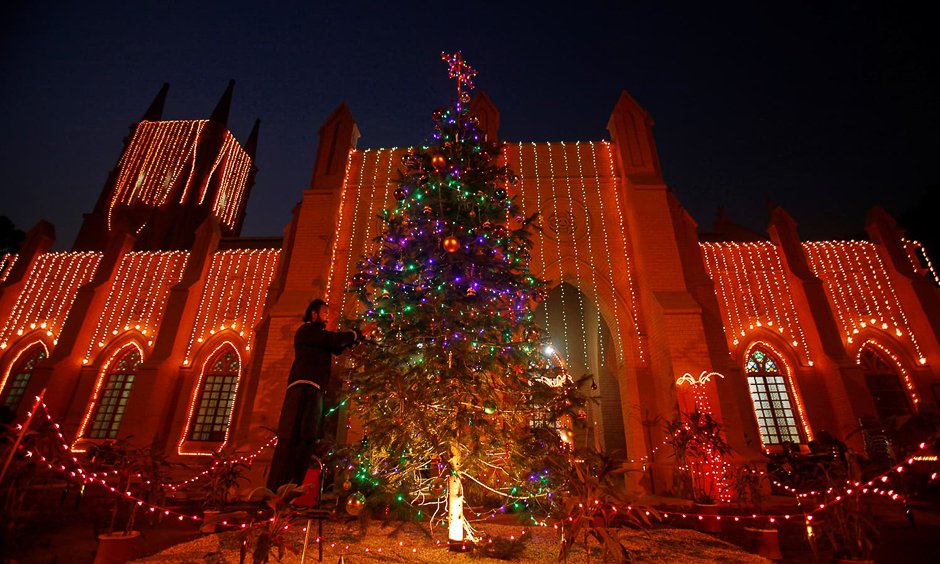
[(772, 402), (216, 397), (884, 383), (20, 374), (112, 402)]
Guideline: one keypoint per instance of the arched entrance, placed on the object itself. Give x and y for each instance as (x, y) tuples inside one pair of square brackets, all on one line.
[(582, 338), (884, 383)]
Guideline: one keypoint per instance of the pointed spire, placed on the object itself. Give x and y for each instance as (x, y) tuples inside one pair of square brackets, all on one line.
[(251, 145), (220, 113), (155, 111)]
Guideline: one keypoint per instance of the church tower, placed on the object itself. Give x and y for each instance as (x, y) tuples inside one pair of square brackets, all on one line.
[(171, 176)]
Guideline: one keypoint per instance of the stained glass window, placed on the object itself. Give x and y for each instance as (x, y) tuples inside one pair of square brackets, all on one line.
[(884, 384), (773, 405), (216, 398), (20, 375), (115, 392)]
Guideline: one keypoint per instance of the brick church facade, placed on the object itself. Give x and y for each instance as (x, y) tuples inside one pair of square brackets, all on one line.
[(162, 323)]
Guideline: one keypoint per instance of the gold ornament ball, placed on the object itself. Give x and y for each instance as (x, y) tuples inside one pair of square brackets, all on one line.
[(451, 244), (438, 161), (354, 504)]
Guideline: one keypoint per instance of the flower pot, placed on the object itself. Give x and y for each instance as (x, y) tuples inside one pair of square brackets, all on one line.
[(117, 548), (707, 523), (765, 542), (210, 519)]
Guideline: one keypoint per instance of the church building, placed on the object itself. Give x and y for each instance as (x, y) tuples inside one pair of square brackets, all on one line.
[(164, 324)]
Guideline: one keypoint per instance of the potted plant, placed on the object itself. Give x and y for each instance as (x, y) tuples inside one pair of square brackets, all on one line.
[(117, 545), (592, 506), (841, 520), (748, 487), (268, 529), (222, 479), (701, 454), (845, 524)]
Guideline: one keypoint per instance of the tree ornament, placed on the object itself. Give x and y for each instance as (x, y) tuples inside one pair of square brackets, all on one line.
[(355, 503), (451, 244), (359, 279), (347, 485), (487, 225), (489, 407), (437, 487), (438, 115), (427, 210), (400, 194), (499, 194), (500, 231), (438, 161), (471, 292)]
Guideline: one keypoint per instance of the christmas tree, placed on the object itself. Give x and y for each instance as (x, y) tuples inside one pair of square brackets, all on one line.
[(459, 388)]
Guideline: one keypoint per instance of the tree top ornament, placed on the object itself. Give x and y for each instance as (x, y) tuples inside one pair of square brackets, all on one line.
[(462, 72)]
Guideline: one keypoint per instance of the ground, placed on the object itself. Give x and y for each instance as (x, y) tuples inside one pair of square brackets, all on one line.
[(59, 530), (661, 545)]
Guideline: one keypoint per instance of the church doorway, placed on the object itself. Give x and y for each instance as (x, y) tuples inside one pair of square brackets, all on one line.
[(582, 338)]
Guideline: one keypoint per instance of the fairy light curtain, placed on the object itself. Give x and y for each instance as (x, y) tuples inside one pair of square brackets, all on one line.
[(48, 294), (7, 260), (753, 292), (137, 297), (234, 295), (860, 290), (564, 181), (159, 165)]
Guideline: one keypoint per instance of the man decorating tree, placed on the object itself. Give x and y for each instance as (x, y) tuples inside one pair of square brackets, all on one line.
[(301, 422)]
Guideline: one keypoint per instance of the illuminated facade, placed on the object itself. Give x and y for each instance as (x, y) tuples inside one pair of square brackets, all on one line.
[(164, 324)]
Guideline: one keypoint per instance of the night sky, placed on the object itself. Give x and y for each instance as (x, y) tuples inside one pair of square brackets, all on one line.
[(825, 108)]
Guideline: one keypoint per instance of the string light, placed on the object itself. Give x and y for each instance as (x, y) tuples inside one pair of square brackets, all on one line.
[(193, 404), (7, 260), (754, 292), (793, 392), (339, 222), (102, 377), (558, 235), (14, 362), (860, 290), (153, 165), (898, 365), (918, 262), (234, 295), (628, 270), (48, 293), (137, 297)]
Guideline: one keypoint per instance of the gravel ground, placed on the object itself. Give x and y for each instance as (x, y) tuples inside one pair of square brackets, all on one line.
[(661, 545)]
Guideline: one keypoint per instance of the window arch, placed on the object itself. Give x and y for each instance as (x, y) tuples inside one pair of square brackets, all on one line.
[(773, 402), (883, 379), (212, 410), (20, 373), (115, 390)]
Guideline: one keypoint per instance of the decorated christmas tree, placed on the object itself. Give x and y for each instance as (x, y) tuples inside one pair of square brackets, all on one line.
[(459, 388)]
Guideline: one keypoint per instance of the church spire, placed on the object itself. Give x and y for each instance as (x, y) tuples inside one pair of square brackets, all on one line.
[(220, 113), (251, 145), (155, 111)]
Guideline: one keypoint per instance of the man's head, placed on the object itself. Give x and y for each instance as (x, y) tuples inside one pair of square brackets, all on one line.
[(318, 310)]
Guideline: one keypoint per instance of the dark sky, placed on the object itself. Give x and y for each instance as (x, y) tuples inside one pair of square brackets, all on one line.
[(826, 108)]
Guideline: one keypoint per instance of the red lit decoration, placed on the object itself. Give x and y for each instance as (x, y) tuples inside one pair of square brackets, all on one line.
[(451, 244)]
